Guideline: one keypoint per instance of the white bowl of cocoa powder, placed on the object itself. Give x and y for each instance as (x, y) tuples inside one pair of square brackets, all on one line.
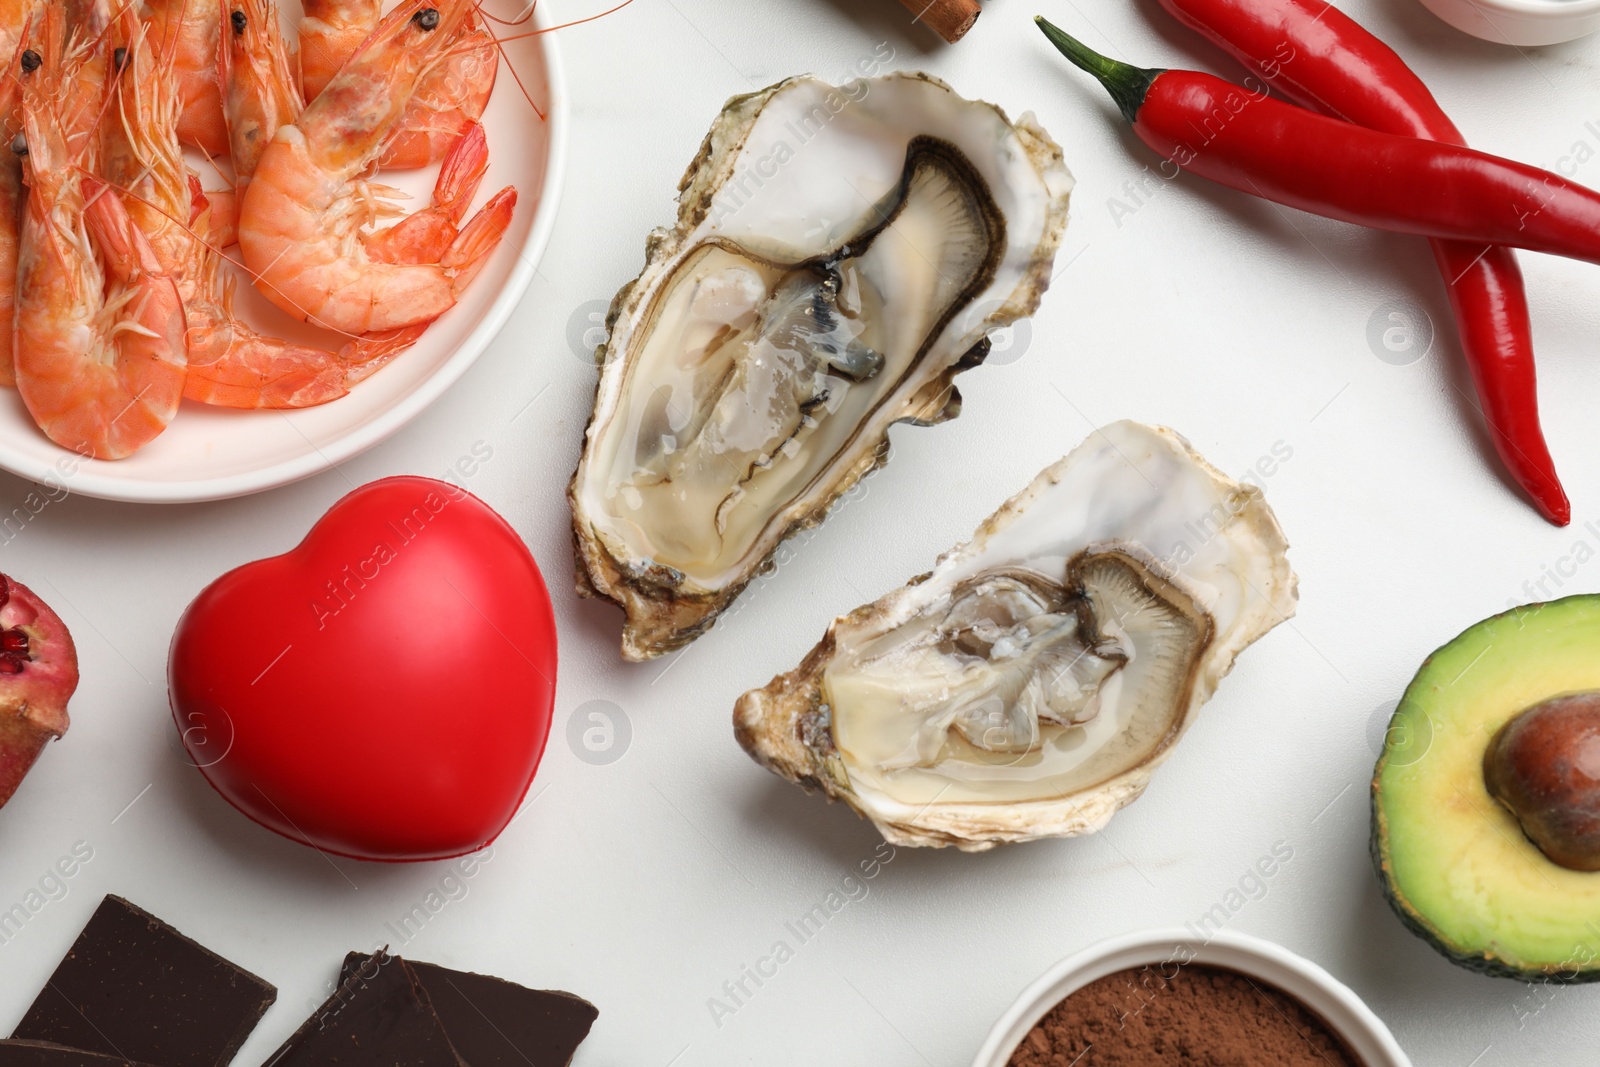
[(1165, 998)]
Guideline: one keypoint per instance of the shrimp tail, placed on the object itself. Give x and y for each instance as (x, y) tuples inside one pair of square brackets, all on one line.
[(369, 353), (198, 200), (213, 214), (462, 172), (219, 226), (232, 366), (425, 236), (478, 238), (127, 250), (461, 252)]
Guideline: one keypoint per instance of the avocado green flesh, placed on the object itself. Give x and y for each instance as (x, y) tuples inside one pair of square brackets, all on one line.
[(1455, 863)]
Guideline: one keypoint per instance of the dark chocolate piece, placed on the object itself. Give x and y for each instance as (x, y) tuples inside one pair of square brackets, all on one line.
[(384, 1020), (132, 986), (492, 1022), (44, 1054)]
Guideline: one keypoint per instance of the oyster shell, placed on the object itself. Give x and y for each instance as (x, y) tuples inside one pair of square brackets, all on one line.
[(840, 255), (1031, 683)]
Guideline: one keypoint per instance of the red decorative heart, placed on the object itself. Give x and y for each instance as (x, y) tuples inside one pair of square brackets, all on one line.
[(382, 691)]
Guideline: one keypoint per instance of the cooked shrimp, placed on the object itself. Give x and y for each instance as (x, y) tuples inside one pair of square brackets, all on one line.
[(449, 98), (301, 220), (188, 32), (99, 323), (259, 96), (12, 195), (330, 33), (229, 364)]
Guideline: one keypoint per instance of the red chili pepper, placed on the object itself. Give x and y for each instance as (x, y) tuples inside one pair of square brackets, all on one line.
[(1250, 142), (1318, 56)]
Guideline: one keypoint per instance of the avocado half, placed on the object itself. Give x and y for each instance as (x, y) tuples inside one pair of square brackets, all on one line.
[(1454, 863)]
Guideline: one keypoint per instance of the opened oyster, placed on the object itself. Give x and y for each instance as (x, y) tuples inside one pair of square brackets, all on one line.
[(840, 255), (1032, 682)]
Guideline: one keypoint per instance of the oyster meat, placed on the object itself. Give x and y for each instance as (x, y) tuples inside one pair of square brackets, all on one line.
[(1031, 683), (840, 254)]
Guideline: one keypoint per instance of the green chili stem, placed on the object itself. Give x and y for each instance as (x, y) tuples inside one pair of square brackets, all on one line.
[(1127, 84)]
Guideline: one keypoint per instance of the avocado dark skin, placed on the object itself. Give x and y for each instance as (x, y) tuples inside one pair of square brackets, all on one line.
[(1544, 766)]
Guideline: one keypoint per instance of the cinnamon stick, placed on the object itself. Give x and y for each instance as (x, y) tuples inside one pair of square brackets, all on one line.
[(950, 19)]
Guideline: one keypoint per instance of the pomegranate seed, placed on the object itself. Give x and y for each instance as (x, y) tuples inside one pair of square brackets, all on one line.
[(13, 640), (11, 663)]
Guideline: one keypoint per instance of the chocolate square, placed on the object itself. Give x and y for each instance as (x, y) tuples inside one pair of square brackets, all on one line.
[(44, 1054), (131, 986), (381, 1021), (492, 1022)]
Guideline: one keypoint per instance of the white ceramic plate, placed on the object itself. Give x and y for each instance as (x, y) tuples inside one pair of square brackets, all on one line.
[(211, 453), (1339, 1007)]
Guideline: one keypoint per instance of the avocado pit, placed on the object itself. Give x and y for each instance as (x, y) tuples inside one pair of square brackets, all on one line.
[(1544, 766)]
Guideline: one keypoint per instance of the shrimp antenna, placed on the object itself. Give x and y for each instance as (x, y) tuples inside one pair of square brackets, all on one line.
[(167, 47), (500, 42), (527, 13), (522, 86), (567, 25)]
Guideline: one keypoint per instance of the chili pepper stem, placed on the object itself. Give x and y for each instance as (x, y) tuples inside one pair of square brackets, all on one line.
[(1127, 84)]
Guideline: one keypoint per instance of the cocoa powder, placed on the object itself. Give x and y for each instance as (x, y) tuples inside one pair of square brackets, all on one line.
[(1172, 1015)]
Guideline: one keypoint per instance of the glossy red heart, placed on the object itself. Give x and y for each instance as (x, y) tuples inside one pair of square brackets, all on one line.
[(382, 691)]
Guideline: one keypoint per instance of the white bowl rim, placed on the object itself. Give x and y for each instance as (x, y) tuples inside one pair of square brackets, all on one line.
[(1042, 994), (382, 426), (1542, 10)]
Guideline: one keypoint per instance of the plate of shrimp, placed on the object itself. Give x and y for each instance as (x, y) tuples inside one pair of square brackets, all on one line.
[(251, 241)]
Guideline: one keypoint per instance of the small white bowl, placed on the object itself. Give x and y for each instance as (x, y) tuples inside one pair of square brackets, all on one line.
[(1324, 994), (1520, 22)]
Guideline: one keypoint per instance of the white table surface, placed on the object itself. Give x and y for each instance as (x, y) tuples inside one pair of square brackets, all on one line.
[(647, 883)]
